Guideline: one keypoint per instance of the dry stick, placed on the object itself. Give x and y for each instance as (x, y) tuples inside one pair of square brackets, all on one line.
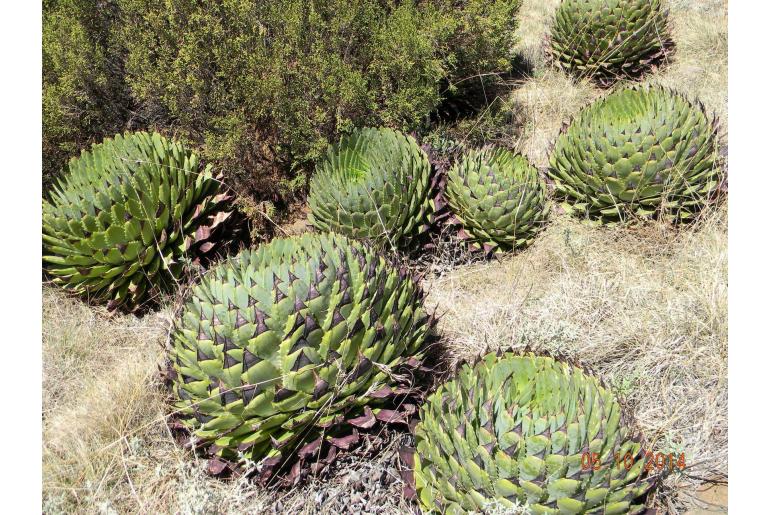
[(285, 233), (104, 476), (128, 477), (382, 222), (474, 76)]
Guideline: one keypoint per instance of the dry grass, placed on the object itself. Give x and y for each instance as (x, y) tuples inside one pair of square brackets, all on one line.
[(646, 308), (699, 67)]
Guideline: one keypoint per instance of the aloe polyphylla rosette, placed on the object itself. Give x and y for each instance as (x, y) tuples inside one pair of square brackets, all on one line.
[(513, 429), (375, 184), (119, 223), (638, 152), (498, 199), (609, 39), (283, 353)]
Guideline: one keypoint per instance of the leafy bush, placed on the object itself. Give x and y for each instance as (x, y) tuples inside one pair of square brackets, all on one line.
[(84, 95), (262, 87)]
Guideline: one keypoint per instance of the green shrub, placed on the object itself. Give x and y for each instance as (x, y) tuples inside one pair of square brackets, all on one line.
[(262, 87), (84, 95)]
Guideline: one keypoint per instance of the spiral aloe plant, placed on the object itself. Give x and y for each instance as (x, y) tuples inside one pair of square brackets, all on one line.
[(514, 429), (638, 152), (497, 197), (374, 184), (284, 352), (609, 39), (129, 210)]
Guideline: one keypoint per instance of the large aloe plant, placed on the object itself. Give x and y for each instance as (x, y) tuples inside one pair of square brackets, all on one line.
[(498, 199), (283, 353), (607, 40), (375, 184), (120, 223), (638, 152), (515, 430)]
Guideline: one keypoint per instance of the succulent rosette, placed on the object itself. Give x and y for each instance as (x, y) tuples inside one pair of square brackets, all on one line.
[(125, 216), (376, 185), (514, 430), (497, 198), (636, 153), (282, 354)]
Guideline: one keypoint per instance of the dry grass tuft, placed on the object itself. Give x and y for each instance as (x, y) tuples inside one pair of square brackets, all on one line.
[(80, 343), (542, 105), (699, 67), (98, 396)]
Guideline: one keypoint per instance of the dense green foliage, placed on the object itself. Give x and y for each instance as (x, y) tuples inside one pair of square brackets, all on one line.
[(638, 152), (513, 429), (281, 348), (261, 87), (498, 198), (85, 97), (375, 184), (123, 217)]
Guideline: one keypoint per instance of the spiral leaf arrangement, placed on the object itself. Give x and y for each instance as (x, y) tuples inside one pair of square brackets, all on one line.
[(129, 210), (637, 152), (513, 429), (606, 40), (375, 184), (498, 199), (284, 352)]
